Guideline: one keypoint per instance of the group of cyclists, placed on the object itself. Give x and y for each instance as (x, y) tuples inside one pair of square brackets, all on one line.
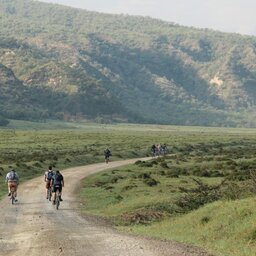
[(158, 149), (54, 180)]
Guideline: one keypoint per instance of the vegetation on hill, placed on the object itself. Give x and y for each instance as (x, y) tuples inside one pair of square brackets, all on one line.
[(66, 63)]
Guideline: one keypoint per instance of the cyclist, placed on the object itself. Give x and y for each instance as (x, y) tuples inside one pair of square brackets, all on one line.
[(12, 179), (153, 150), (165, 150), (107, 154), (57, 183), (47, 178)]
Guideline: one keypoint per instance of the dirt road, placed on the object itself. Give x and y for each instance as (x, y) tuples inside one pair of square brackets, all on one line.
[(33, 227)]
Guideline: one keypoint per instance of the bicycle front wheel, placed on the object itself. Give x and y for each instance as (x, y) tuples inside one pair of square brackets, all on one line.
[(57, 203), (12, 198)]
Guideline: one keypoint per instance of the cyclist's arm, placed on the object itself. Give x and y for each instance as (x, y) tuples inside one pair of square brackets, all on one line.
[(6, 178), (45, 176), (17, 179), (51, 182)]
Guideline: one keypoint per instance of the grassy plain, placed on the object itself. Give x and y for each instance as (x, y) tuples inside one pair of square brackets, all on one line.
[(31, 147), (202, 193)]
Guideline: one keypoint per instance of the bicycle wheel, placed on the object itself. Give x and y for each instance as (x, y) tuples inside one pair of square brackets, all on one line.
[(49, 194), (57, 199), (12, 198), (57, 202)]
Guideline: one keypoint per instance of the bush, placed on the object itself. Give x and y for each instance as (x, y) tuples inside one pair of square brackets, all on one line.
[(174, 173), (151, 182), (144, 176), (252, 236), (144, 216), (205, 220), (164, 165), (199, 196)]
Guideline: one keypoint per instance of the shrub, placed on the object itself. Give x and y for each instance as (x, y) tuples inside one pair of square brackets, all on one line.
[(231, 191), (164, 165), (205, 220), (166, 207), (119, 198), (37, 164), (144, 216), (174, 173), (199, 196), (116, 178), (144, 176), (151, 182), (252, 235), (129, 187)]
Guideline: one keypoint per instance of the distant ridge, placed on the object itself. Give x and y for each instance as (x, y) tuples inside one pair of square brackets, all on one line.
[(64, 63)]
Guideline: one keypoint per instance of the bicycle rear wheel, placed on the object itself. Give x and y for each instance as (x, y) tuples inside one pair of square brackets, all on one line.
[(12, 198), (57, 199), (57, 203), (49, 194)]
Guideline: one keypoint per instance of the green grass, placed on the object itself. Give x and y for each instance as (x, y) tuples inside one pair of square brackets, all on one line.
[(149, 198), (30, 147), (164, 210), (122, 191), (225, 227)]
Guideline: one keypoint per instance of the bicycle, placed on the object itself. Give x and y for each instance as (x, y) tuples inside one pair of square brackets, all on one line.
[(107, 154), (106, 159), (57, 197), (57, 201), (12, 197)]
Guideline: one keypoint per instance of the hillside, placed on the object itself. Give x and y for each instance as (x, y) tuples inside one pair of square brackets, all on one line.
[(64, 63)]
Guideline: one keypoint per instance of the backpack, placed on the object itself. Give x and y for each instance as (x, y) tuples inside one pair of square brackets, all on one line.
[(107, 152), (57, 179), (49, 175), (13, 176)]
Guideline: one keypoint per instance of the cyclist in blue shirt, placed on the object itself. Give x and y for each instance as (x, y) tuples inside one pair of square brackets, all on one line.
[(57, 183)]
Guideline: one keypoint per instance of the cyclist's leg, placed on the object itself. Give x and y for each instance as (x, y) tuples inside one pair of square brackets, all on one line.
[(13, 189), (50, 193), (9, 188), (47, 186), (57, 198), (16, 189), (54, 194), (60, 193)]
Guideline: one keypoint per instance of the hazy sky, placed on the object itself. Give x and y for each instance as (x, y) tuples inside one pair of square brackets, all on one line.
[(225, 15)]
